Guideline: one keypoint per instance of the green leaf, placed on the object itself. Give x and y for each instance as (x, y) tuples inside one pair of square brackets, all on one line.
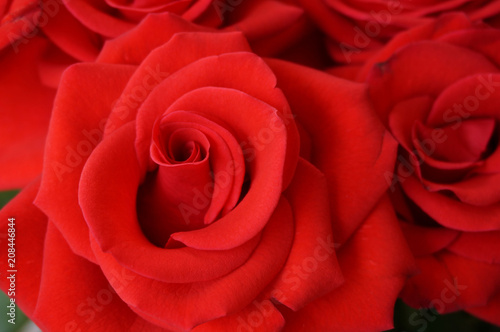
[(6, 196), (407, 319), (5, 326)]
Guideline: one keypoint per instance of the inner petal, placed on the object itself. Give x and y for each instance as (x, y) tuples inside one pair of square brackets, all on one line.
[(184, 146), (194, 179), (460, 142), (175, 196)]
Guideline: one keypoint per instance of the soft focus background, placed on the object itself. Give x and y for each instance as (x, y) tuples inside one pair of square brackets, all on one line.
[(404, 315)]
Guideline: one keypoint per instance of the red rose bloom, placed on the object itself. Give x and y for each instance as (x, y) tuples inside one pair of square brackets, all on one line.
[(182, 189), (40, 39), (440, 98), (357, 29)]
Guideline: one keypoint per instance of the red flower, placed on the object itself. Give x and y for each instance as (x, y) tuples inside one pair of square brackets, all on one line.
[(439, 94), (188, 184)]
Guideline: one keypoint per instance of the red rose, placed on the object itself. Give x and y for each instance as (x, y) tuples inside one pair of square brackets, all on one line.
[(358, 29), (40, 39), (174, 195), (440, 98)]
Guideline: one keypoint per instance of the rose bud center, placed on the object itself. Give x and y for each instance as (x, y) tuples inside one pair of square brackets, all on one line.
[(194, 180)]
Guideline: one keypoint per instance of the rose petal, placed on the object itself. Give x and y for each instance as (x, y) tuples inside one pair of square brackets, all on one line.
[(160, 64), (78, 118), (350, 146), (432, 30), (489, 312), (432, 285), (23, 121), (68, 33), (428, 240), (475, 96), (216, 298), (467, 189), (96, 19), (484, 41), (30, 225), (134, 46), (404, 115), (482, 246), (479, 280), (467, 143), (389, 83), (90, 302), (450, 212), (259, 316), (375, 263), (19, 21), (312, 269), (270, 26)]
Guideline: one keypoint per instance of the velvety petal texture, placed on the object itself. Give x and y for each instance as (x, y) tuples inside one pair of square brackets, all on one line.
[(26, 236), (39, 39), (445, 184), (23, 121), (189, 184), (357, 30)]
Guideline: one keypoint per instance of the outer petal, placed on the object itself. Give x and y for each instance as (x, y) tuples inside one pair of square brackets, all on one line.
[(375, 262), (451, 213), (214, 298), (312, 269), (24, 114), (489, 312), (480, 246), (97, 20), (389, 84), (87, 301), (155, 30), (30, 227), (428, 240), (64, 30), (259, 316), (448, 282), (270, 26), (431, 31), (79, 116), (349, 145), (163, 62)]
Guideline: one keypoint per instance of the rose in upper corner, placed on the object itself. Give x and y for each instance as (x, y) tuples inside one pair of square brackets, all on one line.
[(439, 94), (189, 184), (358, 29)]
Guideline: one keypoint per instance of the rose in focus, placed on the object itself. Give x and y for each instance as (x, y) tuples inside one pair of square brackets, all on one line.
[(438, 93), (189, 184)]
